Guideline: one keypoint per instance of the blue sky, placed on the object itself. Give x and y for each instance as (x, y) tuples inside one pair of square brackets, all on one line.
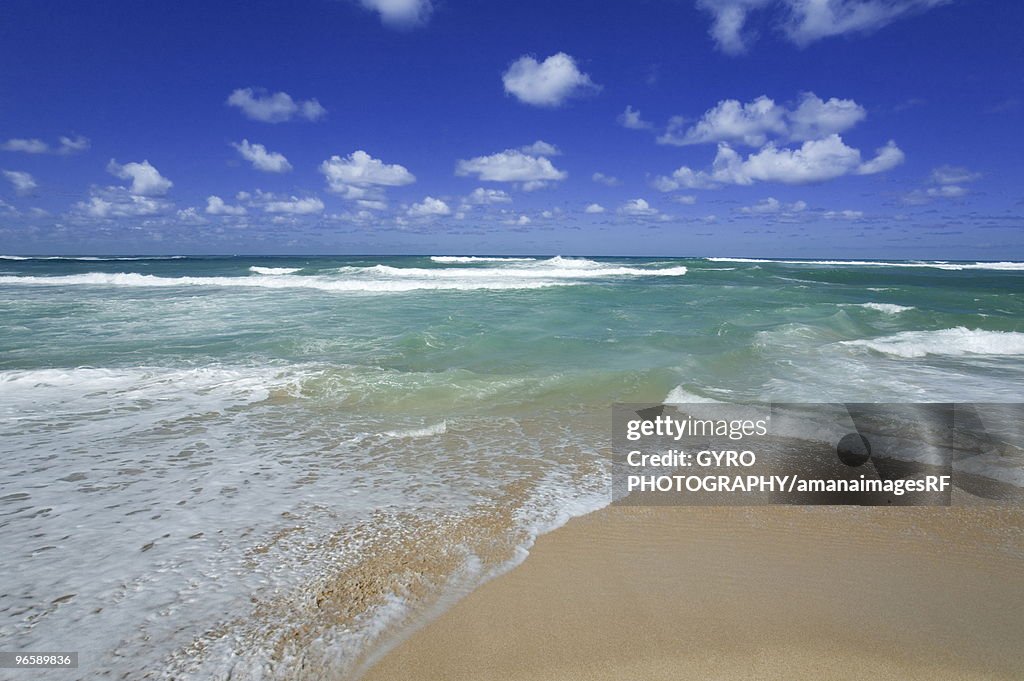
[(797, 128)]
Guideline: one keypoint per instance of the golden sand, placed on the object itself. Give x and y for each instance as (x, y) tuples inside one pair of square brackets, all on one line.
[(785, 593)]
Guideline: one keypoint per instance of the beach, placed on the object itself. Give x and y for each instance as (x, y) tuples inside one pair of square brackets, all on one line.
[(271, 467), (742, 593)]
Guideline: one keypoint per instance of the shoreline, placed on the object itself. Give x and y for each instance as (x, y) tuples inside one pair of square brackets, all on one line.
[(741, 593)]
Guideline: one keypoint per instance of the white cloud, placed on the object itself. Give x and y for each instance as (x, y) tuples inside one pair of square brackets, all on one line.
[(843, 214), (947, 191), (814, 161), (370, 204), (512, 165), (118, 202), (630, 118), (400, 13), (23, 182), (594, 208), (295, 206), (65, 145), (429, 207), (261, 159), (260, 105), (949, 183), (547, 83), (607, 180), (686, 199), (754, 123), (805, 21), (637, 207), (216, 206), (69, 145), (772, 205), (191, 216), (812, 20), (28, 146), (887, 158), (728, 19), (481, 196), (521, 221), (357, 173), (953, 175), (541, 148), (146, 180)]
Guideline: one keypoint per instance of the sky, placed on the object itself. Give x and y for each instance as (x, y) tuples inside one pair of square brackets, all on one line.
[(762, 128)]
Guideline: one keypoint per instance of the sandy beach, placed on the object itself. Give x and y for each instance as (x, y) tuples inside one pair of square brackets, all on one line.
[(743, 593)]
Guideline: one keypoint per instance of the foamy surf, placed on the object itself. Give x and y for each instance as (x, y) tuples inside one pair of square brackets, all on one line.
[(955, 342), (274, 270)]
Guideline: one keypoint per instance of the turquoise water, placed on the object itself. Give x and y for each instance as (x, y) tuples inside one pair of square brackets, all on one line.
[(200, 453)]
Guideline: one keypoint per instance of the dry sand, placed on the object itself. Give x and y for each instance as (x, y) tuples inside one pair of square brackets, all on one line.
[(763, 593)]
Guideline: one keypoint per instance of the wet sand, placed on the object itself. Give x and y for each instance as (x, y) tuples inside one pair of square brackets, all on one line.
[(764, 593)]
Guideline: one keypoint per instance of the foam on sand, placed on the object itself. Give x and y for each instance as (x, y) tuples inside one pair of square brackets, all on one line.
[(953, 342)]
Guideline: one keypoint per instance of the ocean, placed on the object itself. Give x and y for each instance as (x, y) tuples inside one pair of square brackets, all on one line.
[(266, 467)]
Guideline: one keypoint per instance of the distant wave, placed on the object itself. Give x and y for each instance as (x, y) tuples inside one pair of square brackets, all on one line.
[(376, 278), (274, 282), (274, 270), (474, 258), (954, 342), (91, 258), (938, 264)]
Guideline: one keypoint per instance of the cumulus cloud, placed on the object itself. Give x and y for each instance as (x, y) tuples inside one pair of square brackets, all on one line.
[(607, 180), (23, 182), (547, 83), (216, 206), (260, 105), (356, 174), (754, 123), (400, 13), (261, 159), (728, 20), (294, 205), (146, 180), (814, 161), (65, 145), (805, 21), (637, 207), (630, 118), (429, 207), (118, 202), (594, 209), (512, 165), (541, 148), (481, 196)]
